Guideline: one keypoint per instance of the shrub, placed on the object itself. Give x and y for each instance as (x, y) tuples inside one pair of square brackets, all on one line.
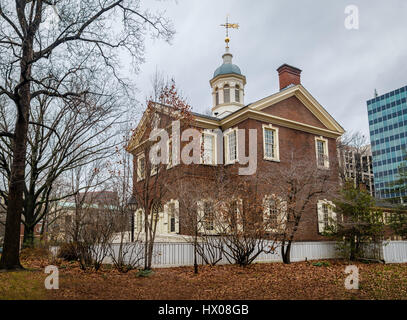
[(68, 252)]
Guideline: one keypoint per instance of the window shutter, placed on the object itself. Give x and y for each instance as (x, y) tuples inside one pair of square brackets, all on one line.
[(239, 216), (333, 215), (226, 148), (176, 213), (266, 211), (166, 218), (321, 226), (282, 212), (200, 215)]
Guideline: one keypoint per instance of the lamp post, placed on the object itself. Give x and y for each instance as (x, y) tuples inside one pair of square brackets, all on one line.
[(132, 205)]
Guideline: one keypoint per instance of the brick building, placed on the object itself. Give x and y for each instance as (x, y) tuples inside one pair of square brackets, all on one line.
[(287, 121)]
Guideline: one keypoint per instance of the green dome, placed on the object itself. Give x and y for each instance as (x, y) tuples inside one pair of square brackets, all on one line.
[(227, 68)]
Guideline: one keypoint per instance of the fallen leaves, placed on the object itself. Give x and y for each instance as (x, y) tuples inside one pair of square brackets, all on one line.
[(300, 280)]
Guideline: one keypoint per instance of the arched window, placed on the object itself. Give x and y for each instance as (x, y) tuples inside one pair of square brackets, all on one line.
[(226, 94), (237, 93), (216, 96)]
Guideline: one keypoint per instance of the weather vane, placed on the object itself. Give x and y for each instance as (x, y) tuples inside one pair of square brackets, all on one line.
[(228, 26)]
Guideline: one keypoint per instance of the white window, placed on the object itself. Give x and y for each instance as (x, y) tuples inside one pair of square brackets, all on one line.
[(321, 148), (275, 213), (208, 215), (231, 146), (154, 169), (235, 208), (270, 143), (169, 154), (237, 93), (208, 152), (326, 215), (226, 93), (171, 210), (141, 167)]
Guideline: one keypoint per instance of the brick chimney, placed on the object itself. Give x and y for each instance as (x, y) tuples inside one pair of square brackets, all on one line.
[(288, 75)]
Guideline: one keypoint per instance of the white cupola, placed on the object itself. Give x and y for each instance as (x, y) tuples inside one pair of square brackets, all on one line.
[(227, 87)]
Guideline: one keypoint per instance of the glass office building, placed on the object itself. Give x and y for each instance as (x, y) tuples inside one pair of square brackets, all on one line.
[(388, 136)]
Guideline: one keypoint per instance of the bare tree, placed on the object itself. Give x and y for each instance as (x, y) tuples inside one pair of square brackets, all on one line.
[(39, 58), (206, 245), (152, 179), (126, 250), (298, 184), (240, 219), (93, 216), (61, 138)]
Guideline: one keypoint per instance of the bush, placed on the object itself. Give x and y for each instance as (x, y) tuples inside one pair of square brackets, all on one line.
[(68, 252)]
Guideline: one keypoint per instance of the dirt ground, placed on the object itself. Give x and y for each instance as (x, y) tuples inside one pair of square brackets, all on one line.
[(303, 280)]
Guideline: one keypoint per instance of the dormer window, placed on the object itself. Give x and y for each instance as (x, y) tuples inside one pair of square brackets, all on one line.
[(237, 93), (226, 93)]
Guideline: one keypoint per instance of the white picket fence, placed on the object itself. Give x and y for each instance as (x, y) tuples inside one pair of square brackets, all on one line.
[(182, 254), (173, 254), (395, 252)]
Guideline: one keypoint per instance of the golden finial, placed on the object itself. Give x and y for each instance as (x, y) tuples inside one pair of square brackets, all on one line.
[(228, 26)]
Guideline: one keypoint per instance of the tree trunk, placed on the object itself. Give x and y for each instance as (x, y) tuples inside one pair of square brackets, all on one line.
[(10, 258), (195, 253), (28, 240), (29, 226), (286, 252)]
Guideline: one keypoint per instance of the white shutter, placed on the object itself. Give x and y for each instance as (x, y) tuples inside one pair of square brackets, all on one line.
[(239, 218), (176, 213), (166, 219), (226, 148), (282, 212), (200, 216), (266, 211), (321, 225), (333, 214)]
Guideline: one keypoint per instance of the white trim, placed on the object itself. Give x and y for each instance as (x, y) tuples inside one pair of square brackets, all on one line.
[(214, 158), (139, 227), (281, 212), (326, 152), (154, 170), (276, 144), (226, 135), (166, 216), (140, 156), (320, 214), (201, 217), (169, 148)]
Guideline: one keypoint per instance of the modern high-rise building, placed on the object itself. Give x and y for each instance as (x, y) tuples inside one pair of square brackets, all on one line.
[(355, 164), (388, 135)]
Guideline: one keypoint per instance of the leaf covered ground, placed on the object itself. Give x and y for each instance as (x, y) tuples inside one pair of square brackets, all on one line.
[(302, 280)]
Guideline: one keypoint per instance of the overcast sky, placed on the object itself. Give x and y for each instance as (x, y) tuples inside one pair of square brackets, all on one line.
[(341, 68)]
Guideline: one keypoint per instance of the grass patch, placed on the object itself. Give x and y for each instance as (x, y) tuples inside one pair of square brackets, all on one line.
[(22, 285)]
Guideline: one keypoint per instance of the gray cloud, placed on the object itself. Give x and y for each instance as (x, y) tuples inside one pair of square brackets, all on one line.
[(341, 68)]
